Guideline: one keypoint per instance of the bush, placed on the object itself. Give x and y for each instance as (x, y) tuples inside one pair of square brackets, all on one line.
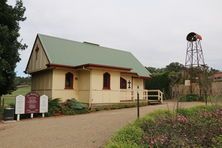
[(190, 97), (118, 106), (217, 141), (72, 106), (54, 107)]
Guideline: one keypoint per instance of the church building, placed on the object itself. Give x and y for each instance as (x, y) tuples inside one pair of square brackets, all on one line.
[(88, 72)]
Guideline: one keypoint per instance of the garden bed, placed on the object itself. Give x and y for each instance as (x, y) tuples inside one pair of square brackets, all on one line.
[(196, 127)]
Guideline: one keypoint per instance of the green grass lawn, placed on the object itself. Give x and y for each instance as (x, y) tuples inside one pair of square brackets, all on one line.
[(10, 98)]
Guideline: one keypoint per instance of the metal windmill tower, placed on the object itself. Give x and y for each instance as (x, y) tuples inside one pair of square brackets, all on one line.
[(194, 61), (194, 53)]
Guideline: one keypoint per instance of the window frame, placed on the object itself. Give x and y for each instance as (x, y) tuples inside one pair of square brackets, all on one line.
[(122, 80), (69, 77), (106, 81)]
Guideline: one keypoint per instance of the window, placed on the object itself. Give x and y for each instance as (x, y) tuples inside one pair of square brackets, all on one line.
[(69, 81), (106, 80), (36, 52), (122, 83)]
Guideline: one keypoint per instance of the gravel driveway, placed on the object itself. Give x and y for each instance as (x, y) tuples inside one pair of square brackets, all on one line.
[(79, 131)]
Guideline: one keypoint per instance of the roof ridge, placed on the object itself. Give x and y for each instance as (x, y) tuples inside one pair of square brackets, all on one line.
[(57, 37), (39, 34)]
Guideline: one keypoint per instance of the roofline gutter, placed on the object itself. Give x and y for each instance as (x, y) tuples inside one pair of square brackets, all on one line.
[(142, 77), (89, 65), (84, 66), (103, 66)]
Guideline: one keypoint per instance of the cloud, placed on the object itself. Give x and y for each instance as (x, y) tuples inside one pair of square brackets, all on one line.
[(154, 31)]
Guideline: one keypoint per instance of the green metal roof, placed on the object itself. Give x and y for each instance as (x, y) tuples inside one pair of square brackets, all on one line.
[(72, 53)]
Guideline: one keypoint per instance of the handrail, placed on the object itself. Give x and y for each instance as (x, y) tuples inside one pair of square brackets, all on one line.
[(158, 94)]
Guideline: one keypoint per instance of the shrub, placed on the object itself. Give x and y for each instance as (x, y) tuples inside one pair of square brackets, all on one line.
[(190, 97), (217, 141), (72, 106), (118, 106), (195, 127), (54, 107)]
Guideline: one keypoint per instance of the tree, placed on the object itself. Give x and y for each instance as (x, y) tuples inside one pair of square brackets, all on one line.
[(9, 45), (165, 78), (174, 66), (155, 71), (22, 81), (159, 81)]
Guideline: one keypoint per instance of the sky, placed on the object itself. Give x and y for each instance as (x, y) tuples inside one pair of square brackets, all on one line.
[(153, 31)]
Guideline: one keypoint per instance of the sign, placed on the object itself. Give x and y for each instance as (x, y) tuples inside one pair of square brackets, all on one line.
[(187, 82), (32, 102), (43, 104), (20, 105)]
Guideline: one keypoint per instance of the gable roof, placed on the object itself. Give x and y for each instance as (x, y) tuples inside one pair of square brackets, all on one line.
[(71, 53)]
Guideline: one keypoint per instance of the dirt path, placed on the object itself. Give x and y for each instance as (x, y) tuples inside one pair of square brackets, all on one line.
[(80, 131)]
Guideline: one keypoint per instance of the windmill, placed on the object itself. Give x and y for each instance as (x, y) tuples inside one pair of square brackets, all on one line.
[(194, 53), (194, 61)]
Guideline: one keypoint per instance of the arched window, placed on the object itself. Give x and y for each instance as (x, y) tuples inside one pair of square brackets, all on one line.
[(106, 80), (122, 83), (69, 81)]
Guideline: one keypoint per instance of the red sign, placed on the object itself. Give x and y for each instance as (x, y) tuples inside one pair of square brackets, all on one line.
[(32, 101)]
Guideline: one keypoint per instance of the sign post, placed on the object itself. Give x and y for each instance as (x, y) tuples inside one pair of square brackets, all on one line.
[(30, 104), (138, 103), (43, 105), (19, 106)]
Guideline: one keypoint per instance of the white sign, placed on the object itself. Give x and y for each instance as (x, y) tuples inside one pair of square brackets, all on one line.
[(187, 82), (20, 105), (43, 104)]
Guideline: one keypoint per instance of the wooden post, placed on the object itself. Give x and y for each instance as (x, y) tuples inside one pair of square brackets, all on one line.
[(158, 95), (0, 101), (18, 117), (3, 102), (138, 106)]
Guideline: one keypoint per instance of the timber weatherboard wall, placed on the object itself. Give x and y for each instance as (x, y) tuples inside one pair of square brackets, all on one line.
[(38, 59), (41, 82)]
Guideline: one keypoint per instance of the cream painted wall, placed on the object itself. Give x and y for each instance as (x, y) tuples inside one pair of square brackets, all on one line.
[(105, 96), (87, 85), (114, 95), (38, 59), (138, 82), (97, 79), (98, 94), (58, 85)]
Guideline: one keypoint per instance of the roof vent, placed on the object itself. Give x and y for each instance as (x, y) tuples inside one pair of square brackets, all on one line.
[(91, 43)]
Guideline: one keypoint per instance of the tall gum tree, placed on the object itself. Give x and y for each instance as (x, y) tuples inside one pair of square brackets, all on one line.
[(10, 16)]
